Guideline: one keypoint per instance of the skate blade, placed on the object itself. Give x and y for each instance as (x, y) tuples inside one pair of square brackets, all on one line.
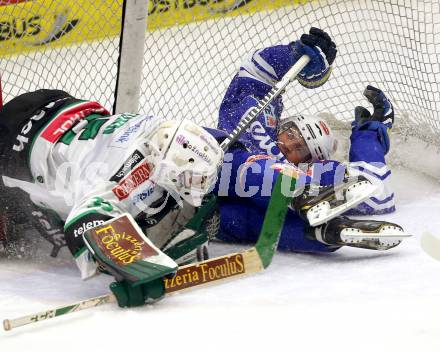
[(355, 195), (388, 237)]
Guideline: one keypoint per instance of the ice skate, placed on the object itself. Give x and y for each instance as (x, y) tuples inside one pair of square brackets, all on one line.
[(368, 234), (319, 204)]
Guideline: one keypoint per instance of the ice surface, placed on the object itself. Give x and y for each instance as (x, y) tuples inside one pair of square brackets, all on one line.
[(351, 300)]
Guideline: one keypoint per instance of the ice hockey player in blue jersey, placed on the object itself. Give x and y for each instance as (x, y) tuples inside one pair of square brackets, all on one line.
[(301, 139)]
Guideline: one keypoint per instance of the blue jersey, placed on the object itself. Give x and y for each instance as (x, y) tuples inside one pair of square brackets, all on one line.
[(257, 75), (244, 189), (246, 166)]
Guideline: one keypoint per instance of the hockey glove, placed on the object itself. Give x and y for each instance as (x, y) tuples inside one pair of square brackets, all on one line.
[(322, 51), (130, 295), (380, 121)]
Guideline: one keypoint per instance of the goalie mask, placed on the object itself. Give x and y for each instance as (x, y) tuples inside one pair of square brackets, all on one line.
[(306, 139), (186, 159)]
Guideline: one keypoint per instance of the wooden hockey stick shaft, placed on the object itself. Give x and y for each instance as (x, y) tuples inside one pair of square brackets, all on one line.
[(210, 271)]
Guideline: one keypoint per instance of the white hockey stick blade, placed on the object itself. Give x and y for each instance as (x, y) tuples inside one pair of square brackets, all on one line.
[(430, 245), (323, 212)]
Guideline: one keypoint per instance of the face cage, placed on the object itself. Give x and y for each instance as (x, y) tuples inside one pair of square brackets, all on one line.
[(189, 184), (292, 128)]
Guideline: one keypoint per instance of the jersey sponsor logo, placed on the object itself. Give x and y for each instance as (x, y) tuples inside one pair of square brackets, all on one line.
[(68, 118), (29, 127), (271, 121), (74, 230), (119, 121), (270, 117), (132, 181), (125, 169), (83, 227), (22, 138), (182, 140), (124, 136), (265, 142), (140, 197)]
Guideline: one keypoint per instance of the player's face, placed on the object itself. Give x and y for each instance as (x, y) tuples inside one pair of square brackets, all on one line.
[(293, 145)]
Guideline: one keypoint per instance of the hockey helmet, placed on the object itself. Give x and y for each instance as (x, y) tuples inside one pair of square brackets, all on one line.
[(315, 133), (186, 159)]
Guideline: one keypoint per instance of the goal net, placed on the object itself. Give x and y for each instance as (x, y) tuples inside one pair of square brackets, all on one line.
[(192, 49)]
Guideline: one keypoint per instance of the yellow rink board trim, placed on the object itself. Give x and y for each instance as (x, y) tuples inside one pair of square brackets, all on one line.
[(27, 25), (36, 24)]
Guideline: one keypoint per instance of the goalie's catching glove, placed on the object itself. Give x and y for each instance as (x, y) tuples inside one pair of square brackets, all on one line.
[(380, 121), (322, 52)]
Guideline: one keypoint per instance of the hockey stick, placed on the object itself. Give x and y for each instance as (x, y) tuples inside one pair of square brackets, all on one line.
[(224, 267), (263, 103), (206, 272)]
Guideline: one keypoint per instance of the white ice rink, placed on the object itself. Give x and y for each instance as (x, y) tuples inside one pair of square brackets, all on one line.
[(350, 301)]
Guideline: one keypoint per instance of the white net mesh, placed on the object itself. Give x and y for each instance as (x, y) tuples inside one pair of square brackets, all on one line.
[(394, 45)]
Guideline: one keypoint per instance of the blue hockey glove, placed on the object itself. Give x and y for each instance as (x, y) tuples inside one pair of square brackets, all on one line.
[(383, 109), (382, 118), (322, 51)]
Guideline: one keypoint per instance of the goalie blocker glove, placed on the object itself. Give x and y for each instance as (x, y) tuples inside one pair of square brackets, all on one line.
[(322, 52), (380, 121)]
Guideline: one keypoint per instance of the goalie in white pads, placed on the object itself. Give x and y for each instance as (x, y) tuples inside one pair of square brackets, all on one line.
[(72, 157)]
